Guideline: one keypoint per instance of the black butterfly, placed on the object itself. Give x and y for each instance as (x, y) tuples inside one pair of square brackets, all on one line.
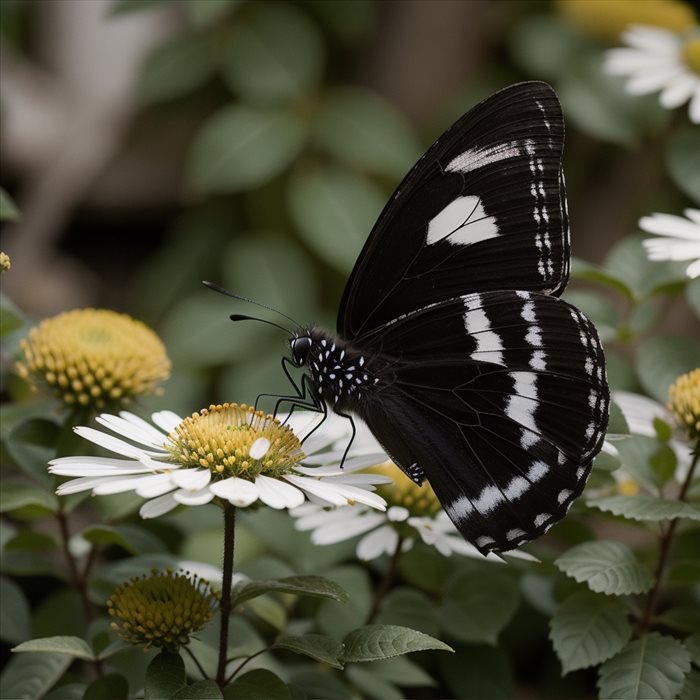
[(452, 344)]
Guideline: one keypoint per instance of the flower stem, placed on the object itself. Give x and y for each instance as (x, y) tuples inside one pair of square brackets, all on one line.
[(196, 662), (664, 551), (225, 606), (385, 585)]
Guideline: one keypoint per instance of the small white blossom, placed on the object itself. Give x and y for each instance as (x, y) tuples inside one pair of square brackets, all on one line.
[(680, 238)]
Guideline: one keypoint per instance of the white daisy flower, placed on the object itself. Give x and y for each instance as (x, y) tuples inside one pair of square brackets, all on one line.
[(228, 452), (656, 60), (681, 238), (414, 514)]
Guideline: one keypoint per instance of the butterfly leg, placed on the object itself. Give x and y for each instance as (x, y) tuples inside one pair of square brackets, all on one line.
[(352, 436)]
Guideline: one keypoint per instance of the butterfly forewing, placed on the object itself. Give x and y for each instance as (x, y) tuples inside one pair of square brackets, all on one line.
[(500, 399), (483, 210)]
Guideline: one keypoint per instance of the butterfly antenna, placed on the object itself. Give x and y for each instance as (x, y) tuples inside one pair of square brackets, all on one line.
[(226, 292), (243, 317)]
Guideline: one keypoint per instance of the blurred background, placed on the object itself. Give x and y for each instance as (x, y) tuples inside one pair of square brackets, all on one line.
[(151, 144)]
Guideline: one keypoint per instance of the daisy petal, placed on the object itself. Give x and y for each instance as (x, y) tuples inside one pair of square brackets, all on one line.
[(193, 498), (340, 531), (237, 491), (113, 444), (155, 485), (85, 483), (397, 514), (259, 448), (278, 494), (166, 420), (381, 541), (129, 430), (191, 479), (158, 506), (125, 483)]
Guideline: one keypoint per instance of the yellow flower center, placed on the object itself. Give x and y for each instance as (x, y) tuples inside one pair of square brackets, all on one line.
[(627, 487), (233, 440), (94, 357), (607, 19), (684, 403), (162, 609), (418, 500), (691, 54), (5, 263)]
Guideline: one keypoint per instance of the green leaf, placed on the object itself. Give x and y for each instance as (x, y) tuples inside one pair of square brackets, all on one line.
[(685, 618), (691, 687), (15, 616), (111, 686), (175, 68), (242, 147), (588, 629), (370, 685), (682, 162), (476, 608), (320, 647), (124, 7), (205, 14), (16, 496), (400, 670), (606, 567), (10, 316), (331, 199), (374, 642), (582, 270), (314, 586), (338, 619), (661, 360), (482, 672), (31, 444), (363, 130), (72, 646), (257, 685), (165, 676), (67, 691), (202, 690), (643, 507), (649, 668), (30, 676), (692, 644), (627, 261), (8, 209), (274, 55), (269, 610)]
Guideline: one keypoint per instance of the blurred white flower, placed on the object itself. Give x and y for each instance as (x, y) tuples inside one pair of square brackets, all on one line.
[(681, 238), (226, 451), (657, 59)]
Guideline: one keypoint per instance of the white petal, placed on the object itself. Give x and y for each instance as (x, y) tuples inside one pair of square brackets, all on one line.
[(670, 225), (694, 109), (397, 514), (310, 520), (347, 529), (640, 411), (194, 498), (654, 39), (338, 494), (158, 506), (85, 483), (166, 420), (315, 487), (129, 430), (693, 270), (95, 466), (123, 484), (113, 444), (381, 541), (278, 494), (651, 81), (678, 91), (154, 433), (237, 491), (155, 485), (191, 479), (259, 448)]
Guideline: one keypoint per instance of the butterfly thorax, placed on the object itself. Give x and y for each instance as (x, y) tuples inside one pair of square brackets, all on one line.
[(340, 374)]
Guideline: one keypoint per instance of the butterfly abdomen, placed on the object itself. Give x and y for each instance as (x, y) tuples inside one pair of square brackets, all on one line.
[(342, 375)]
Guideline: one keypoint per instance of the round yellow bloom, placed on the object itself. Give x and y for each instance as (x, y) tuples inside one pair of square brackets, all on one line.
[(684, 403), (232, 440), (94, 357), (5, 263), (420, 501), (162, 609), (607, 19)]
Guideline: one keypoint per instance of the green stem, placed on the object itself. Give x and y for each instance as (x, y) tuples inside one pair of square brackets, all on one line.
[(196, 662), (225, 606), (250, 658), (385, 585), (664, 551)]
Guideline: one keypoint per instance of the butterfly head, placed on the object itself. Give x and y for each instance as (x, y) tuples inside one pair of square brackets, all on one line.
[(300, 346)]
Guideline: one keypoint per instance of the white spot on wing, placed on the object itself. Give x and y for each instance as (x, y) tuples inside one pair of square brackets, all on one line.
[(476, 158), (523, 401), (459, 510), (489, 347), (488, 499), (462, 222)]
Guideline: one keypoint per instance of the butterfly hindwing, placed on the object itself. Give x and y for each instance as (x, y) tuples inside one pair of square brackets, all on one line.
[(484, 209), (501, 399)]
